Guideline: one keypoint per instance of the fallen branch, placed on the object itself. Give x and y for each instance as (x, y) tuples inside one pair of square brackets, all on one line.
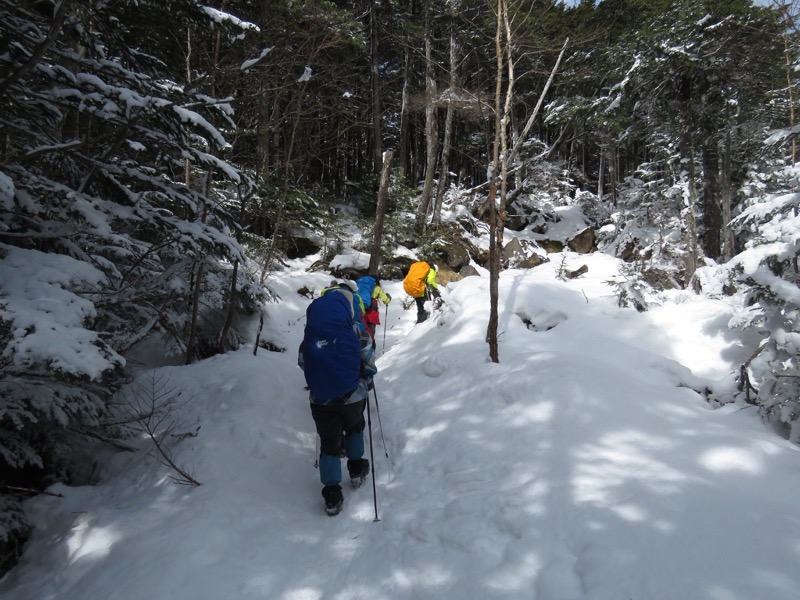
[(153, 407), (25, 490), (743, 384), (111, 442)]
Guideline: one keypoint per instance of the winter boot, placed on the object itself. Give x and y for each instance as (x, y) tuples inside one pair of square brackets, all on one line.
[(333, 499), (358, 469)]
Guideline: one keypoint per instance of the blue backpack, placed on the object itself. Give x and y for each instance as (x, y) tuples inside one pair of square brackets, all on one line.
[(331, 347), (364, 287)]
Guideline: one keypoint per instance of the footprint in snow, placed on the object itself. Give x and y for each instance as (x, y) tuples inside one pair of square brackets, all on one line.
[(433, 368)]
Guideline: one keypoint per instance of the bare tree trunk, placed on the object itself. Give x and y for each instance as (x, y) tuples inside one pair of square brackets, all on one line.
[(186, 169), (726, 195), (215, 56), (601, 172), (376, 91), (712, 213), (448, 126), (223, 335), (191, 344), (431, 128), (494, 254), (692, 257), (383, 200), (404, 112), (262, 133), (789, 11), (612, 170), (199, 275), (198, 280), (529, 124), (504, 127), (258, 333), (285, 193), (443, 176)]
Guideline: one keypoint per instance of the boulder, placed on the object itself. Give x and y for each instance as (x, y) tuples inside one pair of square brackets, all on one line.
[(534, 260), (513, 250), (396, 267), (552, 246), (522, 254), (583, 242), (468, 271), (455, 256), (300, 247)]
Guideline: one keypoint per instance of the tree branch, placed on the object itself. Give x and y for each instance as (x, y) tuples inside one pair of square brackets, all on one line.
[(36, 56)]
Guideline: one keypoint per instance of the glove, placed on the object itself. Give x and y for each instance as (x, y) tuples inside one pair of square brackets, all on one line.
[(437, 303), (388, 298)]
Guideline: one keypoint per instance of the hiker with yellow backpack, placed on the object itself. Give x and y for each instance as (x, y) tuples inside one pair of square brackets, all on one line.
[(420, 284)]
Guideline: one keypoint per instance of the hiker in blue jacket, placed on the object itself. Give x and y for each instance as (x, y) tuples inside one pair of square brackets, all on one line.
[(337, 359), (370, 291)]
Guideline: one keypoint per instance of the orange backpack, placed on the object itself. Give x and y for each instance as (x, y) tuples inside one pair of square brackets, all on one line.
[(414, 283)]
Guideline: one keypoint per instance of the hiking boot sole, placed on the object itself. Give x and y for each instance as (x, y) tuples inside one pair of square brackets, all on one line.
[(332, 511)]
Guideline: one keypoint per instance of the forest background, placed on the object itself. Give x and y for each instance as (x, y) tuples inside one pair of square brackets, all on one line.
[(158, 160)]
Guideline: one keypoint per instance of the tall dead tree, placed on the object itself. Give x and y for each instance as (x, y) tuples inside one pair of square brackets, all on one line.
[(376, 91), (383, 200), (501, 161), (436, 219), (431, 126), (494, 254), (515, 150), (404, 113), (286, 181)]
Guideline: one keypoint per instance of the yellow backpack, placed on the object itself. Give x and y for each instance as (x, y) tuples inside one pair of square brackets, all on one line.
[(414, 283)]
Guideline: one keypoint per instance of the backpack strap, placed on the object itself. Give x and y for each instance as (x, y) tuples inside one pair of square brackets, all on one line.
[(347, 294)]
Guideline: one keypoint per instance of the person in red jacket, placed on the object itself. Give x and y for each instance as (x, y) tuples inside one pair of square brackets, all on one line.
[(370, 290)]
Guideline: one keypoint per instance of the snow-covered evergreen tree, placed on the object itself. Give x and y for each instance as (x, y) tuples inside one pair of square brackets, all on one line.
[(113, 193), (767, 270)]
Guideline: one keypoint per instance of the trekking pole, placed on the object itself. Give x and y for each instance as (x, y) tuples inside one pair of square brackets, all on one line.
[(372, 458), (380, 425), (385, 326), (316, 451)]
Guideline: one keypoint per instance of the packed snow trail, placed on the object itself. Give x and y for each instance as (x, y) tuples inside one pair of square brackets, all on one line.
[(582, 466)]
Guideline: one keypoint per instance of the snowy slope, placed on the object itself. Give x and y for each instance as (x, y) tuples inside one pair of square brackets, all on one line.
[(582, 466)]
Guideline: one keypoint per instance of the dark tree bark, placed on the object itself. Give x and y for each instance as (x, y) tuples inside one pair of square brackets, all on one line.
[(712, 212), (494, 253), (448, 131), (226, 327), (383, 200), (376, 91), (431, 127)]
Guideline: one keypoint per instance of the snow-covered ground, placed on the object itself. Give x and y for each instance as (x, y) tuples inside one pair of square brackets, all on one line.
[(583, 466)]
